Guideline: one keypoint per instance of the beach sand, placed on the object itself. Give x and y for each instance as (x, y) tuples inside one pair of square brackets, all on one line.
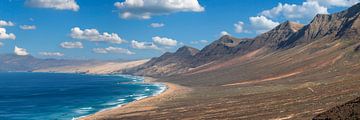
[(137, 107)]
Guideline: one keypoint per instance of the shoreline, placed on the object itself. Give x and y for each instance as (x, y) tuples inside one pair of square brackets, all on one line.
[(137, 105), (145, 80)]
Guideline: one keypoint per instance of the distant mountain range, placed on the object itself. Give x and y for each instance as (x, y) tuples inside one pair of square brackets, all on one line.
[(12, 62)]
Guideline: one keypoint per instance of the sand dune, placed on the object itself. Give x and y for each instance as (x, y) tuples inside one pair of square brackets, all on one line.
[(100, 68)]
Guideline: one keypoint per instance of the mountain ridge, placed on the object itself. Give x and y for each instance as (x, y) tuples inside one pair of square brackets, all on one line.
[(335, 26), (16, 63), (166, 64)]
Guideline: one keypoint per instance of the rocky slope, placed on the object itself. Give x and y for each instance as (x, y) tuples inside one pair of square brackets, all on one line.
[(167, 64), (223, 49), (349, 110), (290, 72), (345, 24)]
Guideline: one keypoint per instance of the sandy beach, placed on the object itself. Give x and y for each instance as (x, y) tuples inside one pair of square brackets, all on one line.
[(138, 107)]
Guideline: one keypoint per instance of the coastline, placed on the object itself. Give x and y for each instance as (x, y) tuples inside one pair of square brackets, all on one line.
[(147, 103), (143, 104)]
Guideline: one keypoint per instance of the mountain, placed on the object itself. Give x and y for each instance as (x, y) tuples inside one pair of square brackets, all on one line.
[(167, 64), (342, 25), (228, 47), (225, 48), (345, 24), (279, 34), (12, 62), (222, 48), (293, 71)]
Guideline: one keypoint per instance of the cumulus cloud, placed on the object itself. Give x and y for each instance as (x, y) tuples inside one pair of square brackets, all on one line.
[(56, 54), (336, 3), (20, 51), (222, 33), (199, 42), (239, 27), (113, 50), (164, 41), (143, 45), (306, 10), (28, 27), (69, 45), (145, 9), (95, 36), (157, 25), (4, 35), (54, 4), (261, 24), (4, 23)]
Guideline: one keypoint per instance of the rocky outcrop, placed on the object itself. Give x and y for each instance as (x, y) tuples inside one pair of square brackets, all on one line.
[(347, 111)]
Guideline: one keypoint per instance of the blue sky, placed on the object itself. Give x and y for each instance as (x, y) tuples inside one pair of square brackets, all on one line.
[(137, 30)]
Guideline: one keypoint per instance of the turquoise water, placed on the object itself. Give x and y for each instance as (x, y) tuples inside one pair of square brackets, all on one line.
[(52, 96)]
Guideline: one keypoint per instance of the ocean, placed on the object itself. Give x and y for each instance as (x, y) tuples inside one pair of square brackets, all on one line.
[(55, 96)]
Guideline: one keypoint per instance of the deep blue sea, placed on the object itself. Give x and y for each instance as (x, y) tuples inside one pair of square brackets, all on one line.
[(53, 96)]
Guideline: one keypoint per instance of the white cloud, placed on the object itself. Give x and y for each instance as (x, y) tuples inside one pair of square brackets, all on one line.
[(54, 4), (28, 27), (57, 54), (164, 41), (199, 42), (336, 3), (4, 23), (292, 11), (157, 25), (20, 51), (69, 45), (262, 24), (222, 33), (239, 27), (95, 36), (143, 45), (4, 35), (113, 50), (145, 9)]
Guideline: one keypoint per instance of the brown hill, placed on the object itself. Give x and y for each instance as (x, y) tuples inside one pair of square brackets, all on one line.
[(294, 75), (167, 64)]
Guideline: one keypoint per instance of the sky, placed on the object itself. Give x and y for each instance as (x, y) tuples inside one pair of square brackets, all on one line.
[(138, 29)]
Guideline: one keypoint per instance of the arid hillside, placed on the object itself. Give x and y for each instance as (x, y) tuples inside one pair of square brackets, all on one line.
[(290, 72)]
